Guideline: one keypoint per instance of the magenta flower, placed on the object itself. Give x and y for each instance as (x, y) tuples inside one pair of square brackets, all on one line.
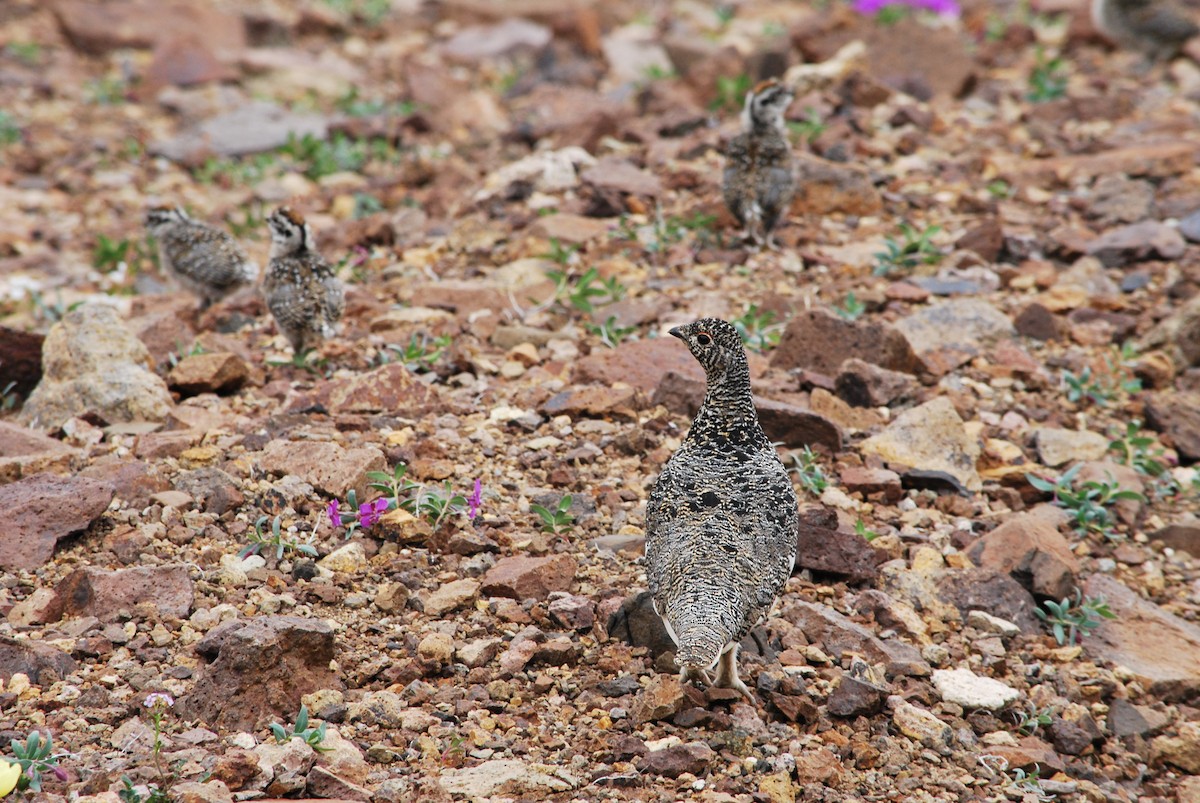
[(943, 7), (476, 500), (335, 517), (369, 512)]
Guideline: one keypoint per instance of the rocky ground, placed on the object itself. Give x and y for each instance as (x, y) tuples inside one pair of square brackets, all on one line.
[(988, 285)]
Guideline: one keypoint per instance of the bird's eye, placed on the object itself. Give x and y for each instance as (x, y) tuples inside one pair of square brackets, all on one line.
[(703, 339)]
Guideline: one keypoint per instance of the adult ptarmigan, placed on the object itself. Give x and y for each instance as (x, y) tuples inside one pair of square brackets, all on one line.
[(721, 521)]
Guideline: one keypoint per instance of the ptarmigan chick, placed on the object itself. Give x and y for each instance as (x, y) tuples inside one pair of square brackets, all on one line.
[(1157, 28), (205, 260), (301, 291), (721, 521), (759, 178)]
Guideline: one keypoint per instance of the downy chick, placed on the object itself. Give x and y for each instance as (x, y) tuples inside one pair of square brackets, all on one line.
[(301, 291)]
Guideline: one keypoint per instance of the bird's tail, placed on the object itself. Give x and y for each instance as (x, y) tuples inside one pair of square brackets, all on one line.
[(699, 646)]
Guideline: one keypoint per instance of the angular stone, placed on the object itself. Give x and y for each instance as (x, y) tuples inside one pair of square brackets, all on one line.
[(988, 590), (1181, 750), (451, 596), (1157, 646), (863, 384), (40, 510), (1177, 416), (1056, 447), (209, 373), (1179, 334), (1039, 323), (1155, 159), (479, 43), (41, 663), (837, 635), (930, 437), (520, 577), (854, 697), (822, 547), (640, 363), (619, 403), (869, 481), (253, 127), (1136, 242), (825, 187), (671, 762), (258, 669), (982, 620), (662, 698), (568, 228), (639, 625), (1030, 548), (840, 340), (21, 356), (1126, 719), (325, 466), (964, 323), (1182, 535), (98, 29), (796, 427), (25, 452), (985, 238), (573, 611), (105, 594), (388, 389), (621, 175), (509, 778), (964, 687), (92, 364), (921, 726)]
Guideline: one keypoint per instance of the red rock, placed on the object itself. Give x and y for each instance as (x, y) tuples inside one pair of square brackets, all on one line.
[(672, 762), (568, 228), (327, 786), (99, 28), (621, 175), (1136, 242), (181, 61), (42, 663), (1030, 548), (460, 297), (21, 356), (133, 481), (209, 373), (24, 452), (863, 384), (1155, 159), (326, 466), (618, 403), (821, 342), (390, 388), (985, 238), (1177, 416), (1029, 751), (105, 594), (573, 611), (838, 635), (41, 509), (796, 427), (1039, 323), (825, 187), (867, 481), (641, 363), (258, 669), (822, 547), (1182, 535), (522, 577)]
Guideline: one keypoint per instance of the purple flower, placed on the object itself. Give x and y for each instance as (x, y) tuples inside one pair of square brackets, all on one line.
[(159, 698), (369, 512), (476, 500), (944, 7), (60, 773), (335, 517)]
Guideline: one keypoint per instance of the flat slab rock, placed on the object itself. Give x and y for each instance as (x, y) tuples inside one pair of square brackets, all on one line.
[(1159, 647), (104, 594), (41, 663), (325, 466), (24, 452), (40, 510), (506, 777), (930, 437), (837, 634)]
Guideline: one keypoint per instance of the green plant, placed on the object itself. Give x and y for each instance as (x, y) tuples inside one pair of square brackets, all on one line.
[(587, 291), (999, 189), (274, 539), (1032, 718), (366, 205), (1048, 80), (562, 254), (851, 309), (250, 223), (556, 520), (36, 757), (808, 471), (860, 528), (320, 157), (1072, 619), (757, 328), (28, 53), (108, 90), (8, 396), (609, 332), (237, 172), (10, 130), (175, 356), (731, 92), (395, 484), (157, 703), (352, 104), (371, 12), (915, 249), (810, 127), (109, 254), (1138, 451), (313, 737), (51, 312), (1023, 783), (1089, 503), (419, 354), (436, 505), (1101, 388)]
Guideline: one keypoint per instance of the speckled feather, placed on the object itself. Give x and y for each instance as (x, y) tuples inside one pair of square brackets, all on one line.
[(1157, 28), (205, 260), (721, 521), (759, 180), (300, 288)]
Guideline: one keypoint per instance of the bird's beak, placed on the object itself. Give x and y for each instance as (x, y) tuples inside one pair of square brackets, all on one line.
[(676, 332)]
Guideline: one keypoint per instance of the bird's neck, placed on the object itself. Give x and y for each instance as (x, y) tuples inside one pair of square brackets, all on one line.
[(728, 409)]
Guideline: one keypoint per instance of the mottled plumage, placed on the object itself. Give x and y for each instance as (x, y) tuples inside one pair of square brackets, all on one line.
[(205, 260), (721, 521), (1157, 28), (759, 178), (300, 288)]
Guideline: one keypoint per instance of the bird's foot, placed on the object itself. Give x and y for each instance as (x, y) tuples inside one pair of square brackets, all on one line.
[(695, 673), (727, 674)]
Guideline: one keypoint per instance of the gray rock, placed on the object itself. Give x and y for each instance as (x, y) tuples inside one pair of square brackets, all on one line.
[(253, 128), (484, 42), (1136, 242), (838, 635), (930, 437), (964, 323), (964, 687), (507, 777), (1056, 447)]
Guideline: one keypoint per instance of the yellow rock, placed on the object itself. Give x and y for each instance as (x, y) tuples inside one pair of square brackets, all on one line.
[(927, 559), (778, 787), (200, 456)]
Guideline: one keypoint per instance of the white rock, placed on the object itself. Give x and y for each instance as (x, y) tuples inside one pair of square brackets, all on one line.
[(506, 777), (964, 687), (346, 558), (982, 620)]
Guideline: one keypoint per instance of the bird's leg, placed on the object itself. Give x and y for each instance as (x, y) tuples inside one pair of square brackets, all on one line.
[(695, 673), (727, 673)]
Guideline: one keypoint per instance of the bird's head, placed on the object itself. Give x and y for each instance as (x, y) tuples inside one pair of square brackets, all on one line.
[(714, 343), (765, 105), (158, 217), (289, 231)]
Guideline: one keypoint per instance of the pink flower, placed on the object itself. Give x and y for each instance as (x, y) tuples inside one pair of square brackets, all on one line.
[(335, 517), (476, 500), (369, 512)]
